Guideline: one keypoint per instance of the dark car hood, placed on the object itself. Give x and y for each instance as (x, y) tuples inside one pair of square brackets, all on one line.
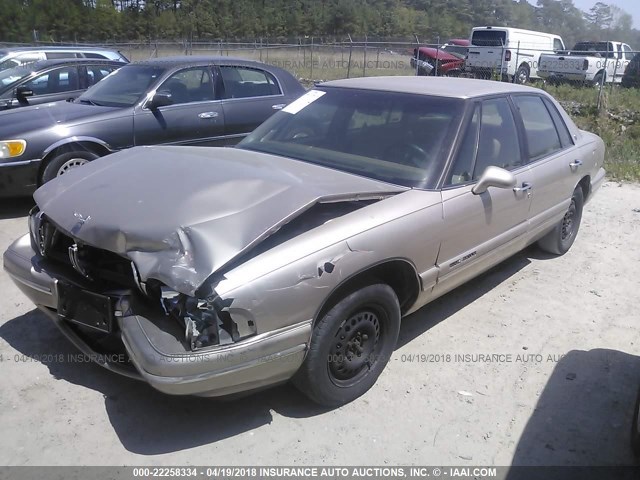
[(16, 122), (182, 213)]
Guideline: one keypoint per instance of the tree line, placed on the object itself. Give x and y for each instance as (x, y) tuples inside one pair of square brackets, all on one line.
[(199, 20)]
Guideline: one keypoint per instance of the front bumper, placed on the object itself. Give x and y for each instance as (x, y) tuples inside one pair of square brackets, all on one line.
[(19, 178), (155, 346)]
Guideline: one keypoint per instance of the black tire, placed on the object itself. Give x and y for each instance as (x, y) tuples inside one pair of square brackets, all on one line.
[(350, 346), (559, 240), (54, 166), (635, 428), (522, 74), (598, 79)]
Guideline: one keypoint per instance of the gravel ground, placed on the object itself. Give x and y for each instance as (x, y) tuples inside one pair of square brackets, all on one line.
[(534, 363)]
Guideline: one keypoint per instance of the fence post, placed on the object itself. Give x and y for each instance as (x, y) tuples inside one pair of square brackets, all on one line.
[(515, 73), (364, 62), (602, 80), (311, 59), (417, 53), (437, 55), (350, 53), (615, 72)]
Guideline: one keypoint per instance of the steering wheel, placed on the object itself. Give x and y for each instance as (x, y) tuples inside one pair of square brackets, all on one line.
[(408, 154)]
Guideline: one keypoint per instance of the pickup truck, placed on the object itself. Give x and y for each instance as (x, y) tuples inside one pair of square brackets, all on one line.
[(588, 62)]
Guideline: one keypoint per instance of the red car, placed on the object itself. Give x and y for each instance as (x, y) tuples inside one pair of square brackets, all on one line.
[(449, 58)]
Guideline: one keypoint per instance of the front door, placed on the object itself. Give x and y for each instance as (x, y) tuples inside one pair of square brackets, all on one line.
[(194, 118), (481, 230)]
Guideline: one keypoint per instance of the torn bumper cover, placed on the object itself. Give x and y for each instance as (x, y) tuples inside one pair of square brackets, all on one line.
[(155, 344)]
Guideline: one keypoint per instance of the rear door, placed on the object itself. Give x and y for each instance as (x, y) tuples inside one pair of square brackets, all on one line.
[(196, 117), (481, 230), (553, 159), (251, 95)]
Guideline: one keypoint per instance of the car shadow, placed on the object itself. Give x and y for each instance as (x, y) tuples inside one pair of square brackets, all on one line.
[(148, 422), (584, 414), (442, 308), (15, 207)]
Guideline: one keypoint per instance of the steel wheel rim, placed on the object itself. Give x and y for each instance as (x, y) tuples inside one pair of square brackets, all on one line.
[(70, 165), (356, 347), (522, 76), (568, 222)]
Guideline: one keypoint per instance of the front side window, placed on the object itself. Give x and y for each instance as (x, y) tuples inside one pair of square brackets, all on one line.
[(56, 81), (398, 138), (541, 133), (243, 82), (498, 143), (462, 169), (190, 85)]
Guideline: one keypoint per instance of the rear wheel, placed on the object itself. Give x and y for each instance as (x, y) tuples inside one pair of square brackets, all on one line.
[(65, 162), (522, 74), (350, 346), (559, 240)]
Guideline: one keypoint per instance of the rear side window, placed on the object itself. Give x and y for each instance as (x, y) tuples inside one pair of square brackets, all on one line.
[(94, 55), (54, 55), (561, 127), (241, 82), (95, 73), (540, 130)]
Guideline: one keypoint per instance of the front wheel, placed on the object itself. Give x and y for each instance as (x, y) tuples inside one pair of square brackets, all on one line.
[(350, 346), (559, 240), (65, 162)]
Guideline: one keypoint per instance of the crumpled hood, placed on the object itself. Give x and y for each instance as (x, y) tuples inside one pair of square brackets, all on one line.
[(26, 119), (182, 213)]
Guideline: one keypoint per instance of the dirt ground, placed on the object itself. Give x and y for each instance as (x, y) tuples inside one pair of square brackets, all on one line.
[(536, 362)]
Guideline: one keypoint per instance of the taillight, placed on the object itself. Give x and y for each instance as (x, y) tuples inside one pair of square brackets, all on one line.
[(585, 64), (507, 55)]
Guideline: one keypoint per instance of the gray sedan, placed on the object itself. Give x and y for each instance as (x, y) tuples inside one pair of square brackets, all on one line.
[(172, 100), (295, 255)]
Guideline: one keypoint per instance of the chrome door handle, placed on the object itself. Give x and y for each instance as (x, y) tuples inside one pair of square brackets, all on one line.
[(575, 164), (208, 114), (279, 106), (524, 188)]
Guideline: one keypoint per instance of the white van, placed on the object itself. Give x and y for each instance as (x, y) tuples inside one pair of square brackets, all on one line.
[(509, 52)]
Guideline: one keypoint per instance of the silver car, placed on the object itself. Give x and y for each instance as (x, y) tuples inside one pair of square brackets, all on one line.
[(295, 255)]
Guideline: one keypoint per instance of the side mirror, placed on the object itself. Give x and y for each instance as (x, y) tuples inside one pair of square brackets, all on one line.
[(494, 177), (160, 99), (22, 92)]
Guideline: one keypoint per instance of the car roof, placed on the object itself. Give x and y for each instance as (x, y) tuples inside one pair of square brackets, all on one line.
[(42, 64), (62, 48), (439, 86), (181, 60)]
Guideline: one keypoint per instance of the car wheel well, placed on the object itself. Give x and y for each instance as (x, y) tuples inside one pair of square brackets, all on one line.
[(92, 147), (585, 184), (400, 275)]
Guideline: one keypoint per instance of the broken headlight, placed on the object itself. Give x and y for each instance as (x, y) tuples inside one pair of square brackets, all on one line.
[(206, 322)]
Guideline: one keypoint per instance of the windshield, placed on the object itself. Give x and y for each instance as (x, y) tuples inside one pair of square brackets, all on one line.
[(12, 75), (456, 50), (123, 88), (394, 137), (489, 38)]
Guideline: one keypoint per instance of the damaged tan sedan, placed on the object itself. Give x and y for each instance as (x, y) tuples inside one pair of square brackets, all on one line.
[(295, 255)]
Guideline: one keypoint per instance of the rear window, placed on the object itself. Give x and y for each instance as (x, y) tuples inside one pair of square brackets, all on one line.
[(594, 48), (489, 38)]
